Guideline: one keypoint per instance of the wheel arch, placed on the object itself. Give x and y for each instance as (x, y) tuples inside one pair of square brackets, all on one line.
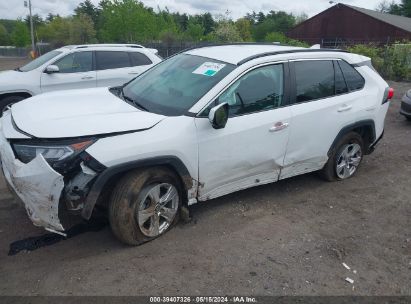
[(365, 128), (22, 93), (106, 181)]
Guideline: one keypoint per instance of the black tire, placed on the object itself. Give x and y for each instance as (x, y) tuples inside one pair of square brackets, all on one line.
[(329, 172), (9, 100), (127, 197), (408, 118)]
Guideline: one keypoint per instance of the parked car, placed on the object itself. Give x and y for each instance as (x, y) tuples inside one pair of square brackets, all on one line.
[(199, 125), (76, 67), (406, 105)]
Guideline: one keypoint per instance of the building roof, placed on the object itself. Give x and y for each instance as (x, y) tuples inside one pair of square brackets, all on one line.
[(235, 53), (397, 21)]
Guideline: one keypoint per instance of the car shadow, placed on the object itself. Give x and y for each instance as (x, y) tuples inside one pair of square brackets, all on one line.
[(95, 235)]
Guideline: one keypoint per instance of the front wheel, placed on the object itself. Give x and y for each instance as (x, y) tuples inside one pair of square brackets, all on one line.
[(145, 205), (345, 158)]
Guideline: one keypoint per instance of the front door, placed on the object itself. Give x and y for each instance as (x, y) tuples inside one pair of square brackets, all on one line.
[(75, 72), (250, 150)]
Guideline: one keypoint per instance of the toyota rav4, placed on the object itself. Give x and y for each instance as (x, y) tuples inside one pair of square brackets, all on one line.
[(201, 124)]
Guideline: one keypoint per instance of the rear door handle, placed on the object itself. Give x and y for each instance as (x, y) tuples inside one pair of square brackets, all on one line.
[(87, 77), (345, 108), (134, 73), (279, 126)]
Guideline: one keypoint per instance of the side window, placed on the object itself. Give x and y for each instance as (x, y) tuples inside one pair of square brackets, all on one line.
[(138, 59), (354, 80), (340, 84), (259, 90), (314, 80), (76, 62), (112, 60)]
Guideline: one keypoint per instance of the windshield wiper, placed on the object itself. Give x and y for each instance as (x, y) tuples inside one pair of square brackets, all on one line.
[(18, 69), (136, 103)]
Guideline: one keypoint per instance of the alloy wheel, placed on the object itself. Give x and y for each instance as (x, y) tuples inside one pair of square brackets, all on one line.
[(157, 209), (348, 160)]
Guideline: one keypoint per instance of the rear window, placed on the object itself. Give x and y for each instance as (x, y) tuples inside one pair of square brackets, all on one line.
[(314, 80), (139, 59), (112, 60), (353, 79)]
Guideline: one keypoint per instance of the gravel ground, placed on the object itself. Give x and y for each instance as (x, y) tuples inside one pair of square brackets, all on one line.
[(7, 63), (286, 238)]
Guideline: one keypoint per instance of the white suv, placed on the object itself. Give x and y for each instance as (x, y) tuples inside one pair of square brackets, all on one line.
[(199, 125), (76, 67)]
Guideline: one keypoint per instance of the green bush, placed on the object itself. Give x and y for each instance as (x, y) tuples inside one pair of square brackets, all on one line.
[(281, 38), (371, 51), (399, 61), (393, 62)]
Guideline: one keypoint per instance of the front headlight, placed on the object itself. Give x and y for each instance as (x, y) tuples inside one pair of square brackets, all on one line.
[(51, 153)]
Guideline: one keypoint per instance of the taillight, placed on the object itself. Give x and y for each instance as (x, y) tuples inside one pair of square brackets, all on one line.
[(390, 93)]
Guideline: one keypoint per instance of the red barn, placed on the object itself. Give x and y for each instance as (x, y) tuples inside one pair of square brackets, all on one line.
[(346, 24)]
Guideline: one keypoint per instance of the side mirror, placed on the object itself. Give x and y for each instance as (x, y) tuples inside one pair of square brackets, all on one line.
[(218, 116), (52, 69)]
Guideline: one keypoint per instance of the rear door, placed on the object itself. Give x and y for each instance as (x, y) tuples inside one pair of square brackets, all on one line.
[(75, 72), (321, 106), (113, 68)]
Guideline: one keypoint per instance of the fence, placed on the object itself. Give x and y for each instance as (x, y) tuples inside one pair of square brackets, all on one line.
[(14, 52), (8, 51)]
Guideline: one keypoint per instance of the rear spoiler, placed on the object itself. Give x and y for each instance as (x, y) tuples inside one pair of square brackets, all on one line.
[(155, 51)]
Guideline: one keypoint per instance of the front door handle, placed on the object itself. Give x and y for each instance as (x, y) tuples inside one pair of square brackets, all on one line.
[(87, 77), (134, 73), (344, 108), (278, 126)]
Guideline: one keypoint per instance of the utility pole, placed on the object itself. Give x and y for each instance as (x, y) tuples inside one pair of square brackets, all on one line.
[(33, 46)]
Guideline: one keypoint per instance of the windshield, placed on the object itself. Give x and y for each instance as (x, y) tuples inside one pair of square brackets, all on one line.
[(39, 61), (175, 85)]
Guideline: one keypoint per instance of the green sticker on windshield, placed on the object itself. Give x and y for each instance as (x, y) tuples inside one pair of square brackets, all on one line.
[(209, 68)]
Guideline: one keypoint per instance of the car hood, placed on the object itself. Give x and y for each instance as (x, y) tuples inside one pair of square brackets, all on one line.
[(5, 75), (74, 113), (10, 79)]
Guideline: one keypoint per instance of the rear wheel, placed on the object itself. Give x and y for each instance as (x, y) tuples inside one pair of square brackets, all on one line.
[(345, 158), (145, 205)]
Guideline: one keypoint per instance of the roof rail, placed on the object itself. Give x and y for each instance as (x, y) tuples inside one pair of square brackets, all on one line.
[(239, 43), (106, 45), (288, 52), (295, 50), (233, 43)]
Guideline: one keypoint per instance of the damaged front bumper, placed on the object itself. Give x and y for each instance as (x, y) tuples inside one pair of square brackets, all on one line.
[(36, 184)]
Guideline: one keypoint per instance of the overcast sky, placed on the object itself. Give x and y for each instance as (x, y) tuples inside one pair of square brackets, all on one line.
[(12, 9)]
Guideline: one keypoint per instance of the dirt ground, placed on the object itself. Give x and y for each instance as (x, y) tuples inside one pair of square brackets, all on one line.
[(286, 238), (7, 63)]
